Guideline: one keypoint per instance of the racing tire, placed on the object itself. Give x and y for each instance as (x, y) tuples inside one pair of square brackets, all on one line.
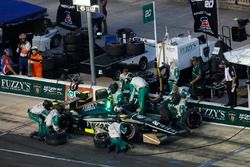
[(56, 138), (73, 57), (135, 48), (48, 64), (127, 31), (66, 122), (72, 47), (193, 118), (115, 49), (72, 39), (165, 114), (55, 41), (60, 60), (101, 140), (157, 99), (132, 132), (51, 74), (143, 64)]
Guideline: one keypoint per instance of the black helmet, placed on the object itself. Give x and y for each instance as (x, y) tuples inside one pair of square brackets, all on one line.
[(113, 87), (47, 104)]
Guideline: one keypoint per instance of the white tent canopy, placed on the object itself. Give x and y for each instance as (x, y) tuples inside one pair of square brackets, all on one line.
[(239, 56)]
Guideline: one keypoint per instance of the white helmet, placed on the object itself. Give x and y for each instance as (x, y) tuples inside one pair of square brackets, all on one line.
[(34, 48)]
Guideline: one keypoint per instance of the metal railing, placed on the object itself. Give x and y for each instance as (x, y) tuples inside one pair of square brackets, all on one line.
[(236, 2)]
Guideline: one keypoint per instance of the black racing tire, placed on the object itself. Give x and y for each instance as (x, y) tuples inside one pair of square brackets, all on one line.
[(132, 132), (60, 60), (66, 122), (73, 57), (165, 114), (101, 140), (56, 138), (55, 41), (115, 49), (72, 47), (127, 31), (135, 48), (72, 38), (49, 74), (143, 64), (193, 118), (73, 68), (48, 64)]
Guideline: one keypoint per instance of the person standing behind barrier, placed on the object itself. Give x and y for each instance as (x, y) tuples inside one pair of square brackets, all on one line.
[(6, 67), (231, 83), (174, 74), (23, 50), (97, 19), (105, 13), (123, 78), (36, 62), (197, 80)]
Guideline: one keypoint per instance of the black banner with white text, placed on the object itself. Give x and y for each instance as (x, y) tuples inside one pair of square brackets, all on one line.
[(205, 16)]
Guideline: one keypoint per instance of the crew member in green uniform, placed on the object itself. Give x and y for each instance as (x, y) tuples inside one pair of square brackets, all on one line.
[(38, 113), (197, 80), (139, 85)]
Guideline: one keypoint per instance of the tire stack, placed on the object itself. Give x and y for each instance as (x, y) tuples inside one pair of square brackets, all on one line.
[(48, 66), (73, 50), (60, 64)]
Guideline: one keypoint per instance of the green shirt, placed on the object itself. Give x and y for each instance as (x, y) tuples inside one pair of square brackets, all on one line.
[(196, 71)]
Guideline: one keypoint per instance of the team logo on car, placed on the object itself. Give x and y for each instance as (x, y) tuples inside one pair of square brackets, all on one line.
[(37, 88)]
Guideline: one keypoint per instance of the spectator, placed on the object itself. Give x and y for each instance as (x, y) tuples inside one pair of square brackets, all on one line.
[(36, 62), (97, 19), (23, 50), (6, 63), (105, 13), (197, 80), (231, 82)]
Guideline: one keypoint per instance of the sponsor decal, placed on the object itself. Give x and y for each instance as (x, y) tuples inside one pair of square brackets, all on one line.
[(89, 107), (188, 48), (20, 86), (37, 88), (102, 125), (232, 116), (68, 18), (211, 113), (209, 3), (244, 117), (50, 90)]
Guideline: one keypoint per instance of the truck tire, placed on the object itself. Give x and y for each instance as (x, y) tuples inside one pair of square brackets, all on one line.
[(56, 138), (143, 64), (115, 49), (193, 118), (135, 48), (101, 140)]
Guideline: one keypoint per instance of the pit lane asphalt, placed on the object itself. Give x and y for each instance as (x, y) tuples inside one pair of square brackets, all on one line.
[(17, 149), (207, 146)]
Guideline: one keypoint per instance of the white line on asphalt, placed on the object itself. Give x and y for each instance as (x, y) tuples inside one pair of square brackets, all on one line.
[(53, 158), (225, 156)]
